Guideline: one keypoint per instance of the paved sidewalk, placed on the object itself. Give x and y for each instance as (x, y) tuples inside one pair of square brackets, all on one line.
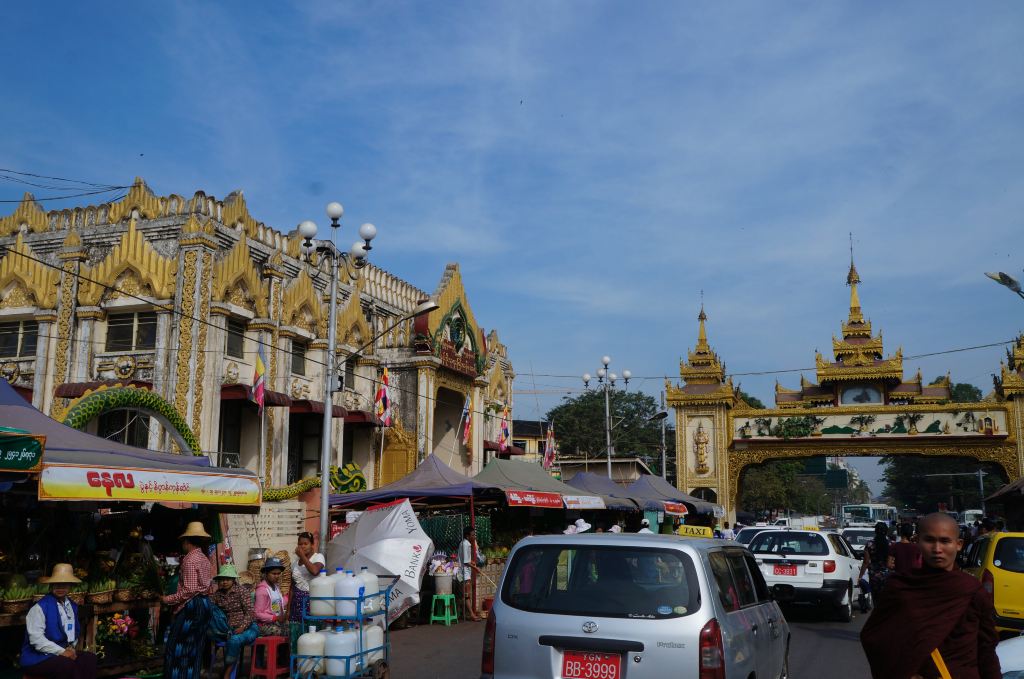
[(437, 652)]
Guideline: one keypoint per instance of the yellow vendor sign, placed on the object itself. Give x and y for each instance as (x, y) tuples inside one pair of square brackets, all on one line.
[(695, 531)]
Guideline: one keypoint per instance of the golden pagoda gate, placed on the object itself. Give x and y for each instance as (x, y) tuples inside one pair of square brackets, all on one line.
[(860, 405)]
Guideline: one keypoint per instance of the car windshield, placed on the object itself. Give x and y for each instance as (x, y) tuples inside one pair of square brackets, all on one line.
[(788, 542), (609, 581), (859, 538), (1009, 555)]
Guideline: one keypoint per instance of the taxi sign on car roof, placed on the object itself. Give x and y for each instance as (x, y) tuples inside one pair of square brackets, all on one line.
[(695, 531)]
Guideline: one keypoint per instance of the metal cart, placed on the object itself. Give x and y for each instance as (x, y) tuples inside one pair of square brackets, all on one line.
[(357, 665)]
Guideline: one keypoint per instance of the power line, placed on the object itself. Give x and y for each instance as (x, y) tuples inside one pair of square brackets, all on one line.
[(61, 179), (72, 195)]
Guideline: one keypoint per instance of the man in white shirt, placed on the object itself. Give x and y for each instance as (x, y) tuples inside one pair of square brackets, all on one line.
[(467, 564), (645, 527), (728, 533), (52, 630)]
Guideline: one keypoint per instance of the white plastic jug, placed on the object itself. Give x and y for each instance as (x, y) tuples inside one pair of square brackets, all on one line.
[(338, 647), (371, 591), (313, 644), (348, 586), (357, 663), (373, 636), (319, 587)]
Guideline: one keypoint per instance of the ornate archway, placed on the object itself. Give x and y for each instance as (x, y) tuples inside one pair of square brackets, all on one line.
[(861, 404)]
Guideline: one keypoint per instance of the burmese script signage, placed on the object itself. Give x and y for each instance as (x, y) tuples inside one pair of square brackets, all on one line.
[(460, 361), (20, 452), (888, 422), (77, 482), (529, 498), (583, 502)]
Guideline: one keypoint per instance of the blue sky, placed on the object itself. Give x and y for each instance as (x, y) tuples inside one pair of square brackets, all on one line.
[(591, 166)]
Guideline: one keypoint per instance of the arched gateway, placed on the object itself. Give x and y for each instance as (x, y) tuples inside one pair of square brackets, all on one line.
[(861, 405)]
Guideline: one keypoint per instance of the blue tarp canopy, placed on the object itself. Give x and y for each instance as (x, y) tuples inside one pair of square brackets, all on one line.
[(614, 495), (431, 479), (654, 488)]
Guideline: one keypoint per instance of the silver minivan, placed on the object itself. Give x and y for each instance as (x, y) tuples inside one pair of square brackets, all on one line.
[(634, 606)]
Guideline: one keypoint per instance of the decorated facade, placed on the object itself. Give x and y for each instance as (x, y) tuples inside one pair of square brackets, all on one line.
[(860, 403), (142, 320)]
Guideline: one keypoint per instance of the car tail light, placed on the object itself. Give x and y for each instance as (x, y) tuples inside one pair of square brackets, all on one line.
[(712, 654), (830, 566), (988, 582), (487, 661)]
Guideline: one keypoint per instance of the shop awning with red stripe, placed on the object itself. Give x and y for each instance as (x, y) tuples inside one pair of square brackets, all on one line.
[(243, 392), (301, 406)]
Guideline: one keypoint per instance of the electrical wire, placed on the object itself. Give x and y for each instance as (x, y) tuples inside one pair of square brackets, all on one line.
[(60, 179), (71, 195)]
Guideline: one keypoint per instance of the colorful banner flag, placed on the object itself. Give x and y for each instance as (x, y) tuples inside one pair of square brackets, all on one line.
[(467, 418), (503, 434), (549, 447), (259, 379), (383, 400)]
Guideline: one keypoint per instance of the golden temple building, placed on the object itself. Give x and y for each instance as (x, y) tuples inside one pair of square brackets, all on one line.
[(141, 320)]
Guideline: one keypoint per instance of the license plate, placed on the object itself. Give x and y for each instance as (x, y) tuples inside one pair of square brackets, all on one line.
[(585, 665), (784, 570)]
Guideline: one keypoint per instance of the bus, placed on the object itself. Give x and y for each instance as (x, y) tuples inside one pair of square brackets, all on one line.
[(868, 515)]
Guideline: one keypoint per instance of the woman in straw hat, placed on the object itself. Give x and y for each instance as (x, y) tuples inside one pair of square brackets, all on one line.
[(183, 654), (236, 603), (52, 630)]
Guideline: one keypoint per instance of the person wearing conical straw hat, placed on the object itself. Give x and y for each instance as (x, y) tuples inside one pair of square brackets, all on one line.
[(236, 603), (52, 630), (183, 654)]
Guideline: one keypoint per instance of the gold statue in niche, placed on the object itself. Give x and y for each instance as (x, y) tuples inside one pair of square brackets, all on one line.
[(700, 444)]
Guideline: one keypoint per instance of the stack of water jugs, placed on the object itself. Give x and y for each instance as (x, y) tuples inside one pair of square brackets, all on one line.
[(338, 596)]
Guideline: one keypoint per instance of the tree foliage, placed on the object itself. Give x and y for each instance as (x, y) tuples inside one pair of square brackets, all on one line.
[(752, 401), (580, 425), (906, 477), (781, 484)]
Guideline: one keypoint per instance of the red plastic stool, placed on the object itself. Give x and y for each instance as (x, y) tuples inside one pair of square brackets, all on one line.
[(275, 660)]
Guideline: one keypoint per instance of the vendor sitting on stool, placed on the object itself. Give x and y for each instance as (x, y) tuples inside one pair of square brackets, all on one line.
[(271, 603), (236, 603), (52, 630)]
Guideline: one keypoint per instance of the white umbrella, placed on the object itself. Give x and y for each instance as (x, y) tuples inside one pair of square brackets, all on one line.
[(389, 541)]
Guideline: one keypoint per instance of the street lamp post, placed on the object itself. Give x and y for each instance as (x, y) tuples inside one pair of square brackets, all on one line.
[(338, 262), (1007, 280), (607, 381)]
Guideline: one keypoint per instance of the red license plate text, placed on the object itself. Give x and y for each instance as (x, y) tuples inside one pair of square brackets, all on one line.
[(585, 665), (784, 570)]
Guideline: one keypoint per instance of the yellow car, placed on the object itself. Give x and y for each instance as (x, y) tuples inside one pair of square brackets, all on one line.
[(997, 559)]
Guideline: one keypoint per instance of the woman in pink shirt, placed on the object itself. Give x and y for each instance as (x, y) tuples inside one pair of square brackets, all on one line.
[(271, 603)]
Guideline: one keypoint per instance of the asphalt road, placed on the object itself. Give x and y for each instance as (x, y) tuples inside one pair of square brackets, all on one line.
[(820, 648)]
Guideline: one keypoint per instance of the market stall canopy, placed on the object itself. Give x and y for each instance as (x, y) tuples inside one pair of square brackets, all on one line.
[(614, 495), (79, 466), (526, 484), (651, 487), (431, 479)]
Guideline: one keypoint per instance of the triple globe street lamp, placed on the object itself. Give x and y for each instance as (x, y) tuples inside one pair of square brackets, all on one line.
[(348, 264), (606, 380)]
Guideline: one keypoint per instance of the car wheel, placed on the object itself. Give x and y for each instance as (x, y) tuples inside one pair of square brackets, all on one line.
[(845, 612)]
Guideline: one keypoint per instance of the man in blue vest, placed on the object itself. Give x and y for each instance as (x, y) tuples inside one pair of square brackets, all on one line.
[(52, 631)]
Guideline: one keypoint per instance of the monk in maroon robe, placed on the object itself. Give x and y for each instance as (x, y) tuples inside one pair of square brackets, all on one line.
[(937, 606)]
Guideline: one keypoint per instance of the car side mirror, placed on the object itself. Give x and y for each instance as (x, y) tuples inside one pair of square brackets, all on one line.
[(783, 594)]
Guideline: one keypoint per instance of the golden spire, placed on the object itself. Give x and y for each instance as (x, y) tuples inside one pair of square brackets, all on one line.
[(702, 335), (852, 279)]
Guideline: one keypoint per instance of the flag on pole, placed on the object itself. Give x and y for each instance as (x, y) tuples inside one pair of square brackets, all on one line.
[(467, 419), (259, 380), (503, 435), (383, 400), (549, 447)]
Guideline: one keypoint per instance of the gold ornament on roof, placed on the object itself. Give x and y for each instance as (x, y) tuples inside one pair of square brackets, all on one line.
[(132, 252), (28, 213), (29, 277)]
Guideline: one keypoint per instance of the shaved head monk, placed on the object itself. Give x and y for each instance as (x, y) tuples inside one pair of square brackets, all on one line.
[(936, 607)]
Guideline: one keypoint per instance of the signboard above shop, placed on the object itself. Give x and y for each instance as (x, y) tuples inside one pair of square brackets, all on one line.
[(529, 498), (20, 451)]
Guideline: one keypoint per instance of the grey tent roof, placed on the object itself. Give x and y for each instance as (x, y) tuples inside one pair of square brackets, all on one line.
[(432, 478), (65, 445), (651, 487), (1008, 492), (514, 475), (614, 495)]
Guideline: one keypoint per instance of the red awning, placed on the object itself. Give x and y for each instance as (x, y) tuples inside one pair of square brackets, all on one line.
[(362, 417), (509, 450), (242, 392), (76, 389), (302, 406)]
